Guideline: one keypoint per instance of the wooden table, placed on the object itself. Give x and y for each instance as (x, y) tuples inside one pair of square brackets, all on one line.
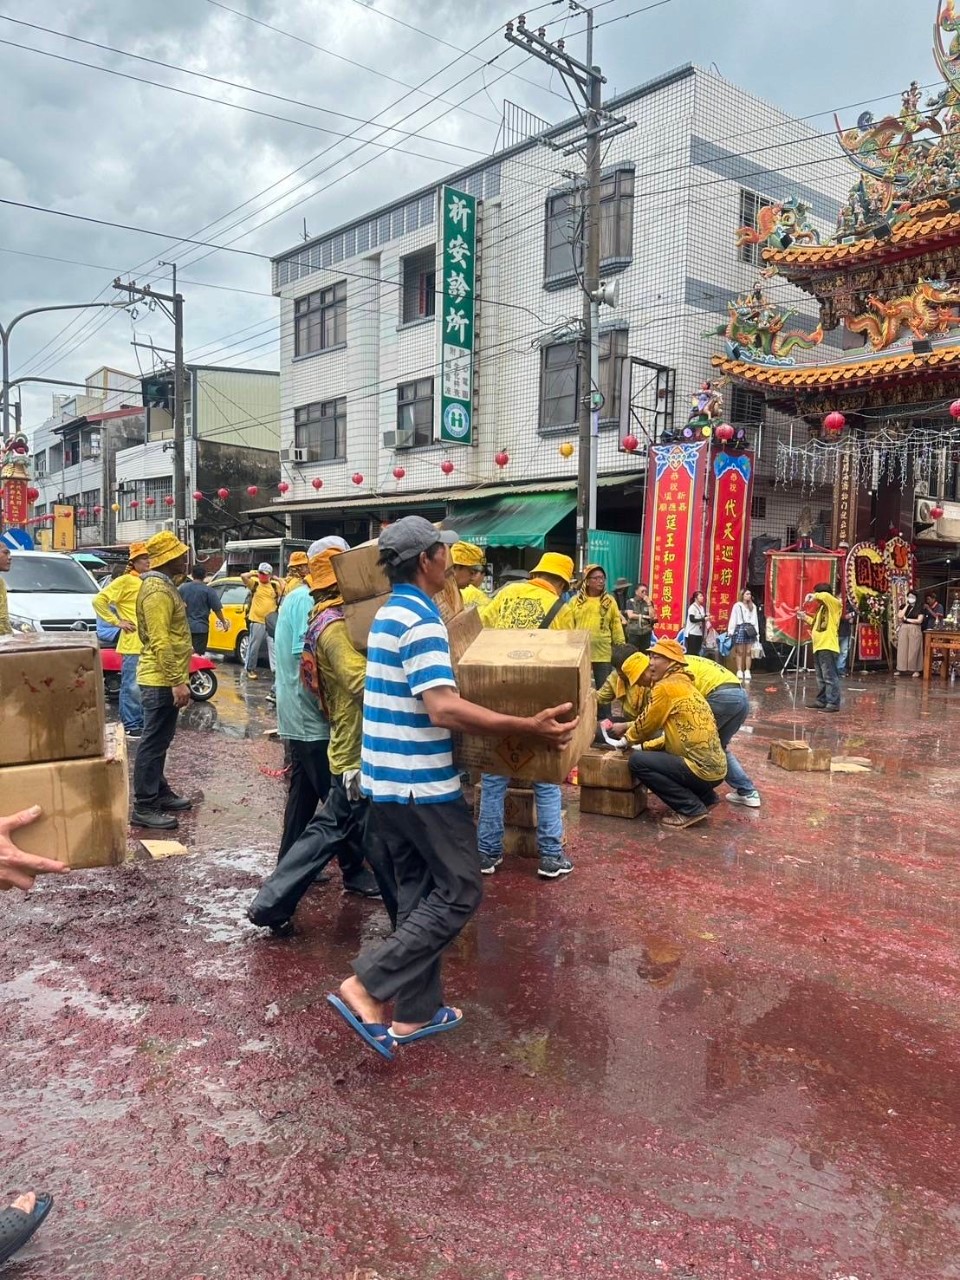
[(948, 643)]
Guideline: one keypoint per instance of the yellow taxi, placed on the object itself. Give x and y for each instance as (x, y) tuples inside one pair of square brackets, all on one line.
[(233, 601)]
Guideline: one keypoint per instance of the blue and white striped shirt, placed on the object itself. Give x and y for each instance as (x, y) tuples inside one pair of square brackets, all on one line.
[(404, 756)]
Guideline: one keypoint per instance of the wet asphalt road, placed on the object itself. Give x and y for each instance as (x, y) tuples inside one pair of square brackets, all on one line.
[(730, 1052)]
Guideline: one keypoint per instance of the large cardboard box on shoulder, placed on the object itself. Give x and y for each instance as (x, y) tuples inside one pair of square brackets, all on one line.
[(521, 673), (51, 699), (365, 587), (84, 803)]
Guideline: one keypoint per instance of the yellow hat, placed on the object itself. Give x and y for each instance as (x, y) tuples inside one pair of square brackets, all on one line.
[(670, 649), (137, 549), (321, 575), (557, 565), (465, 553), (164, 547), (298, 557), (634, 667)]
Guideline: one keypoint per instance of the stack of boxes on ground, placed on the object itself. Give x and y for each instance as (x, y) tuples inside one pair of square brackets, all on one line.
[(608, 787), (56, 750)]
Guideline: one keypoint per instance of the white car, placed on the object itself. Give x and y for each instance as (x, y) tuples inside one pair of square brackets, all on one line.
[(49, 591)]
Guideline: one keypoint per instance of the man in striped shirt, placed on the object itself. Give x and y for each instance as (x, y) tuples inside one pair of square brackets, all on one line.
[(410, 706)]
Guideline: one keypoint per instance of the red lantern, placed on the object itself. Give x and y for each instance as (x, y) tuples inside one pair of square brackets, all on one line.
[(936, 512), (82, 513), (252, 490), (834, 423), (502, 458), (631, 444), (168, 500), (317, 483), (283, 487), (32, 494), (446, 466), (197, 495), (725, 432), (955, 409), (357, 478), (151, 502), (398, 473), (223, 494), (97, 511), (134, 504)]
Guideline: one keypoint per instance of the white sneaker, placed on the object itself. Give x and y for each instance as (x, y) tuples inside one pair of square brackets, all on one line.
[(739, 675), (751, 799), (747, 676)]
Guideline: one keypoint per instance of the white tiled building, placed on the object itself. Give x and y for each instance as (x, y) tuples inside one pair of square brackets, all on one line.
[(359, 337)]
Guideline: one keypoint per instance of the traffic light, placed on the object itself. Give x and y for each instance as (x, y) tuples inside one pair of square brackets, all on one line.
[(157, 393)]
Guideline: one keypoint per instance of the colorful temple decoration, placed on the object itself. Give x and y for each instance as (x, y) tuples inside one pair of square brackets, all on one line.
[(755, 332)]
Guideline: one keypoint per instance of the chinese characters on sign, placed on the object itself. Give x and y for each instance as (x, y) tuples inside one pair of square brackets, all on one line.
[(729, 531), (15, 506), (673, 529), (843, 499), (64, 529), (458, 222)]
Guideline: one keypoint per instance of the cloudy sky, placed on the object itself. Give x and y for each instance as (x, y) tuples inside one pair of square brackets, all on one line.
[(82, 133)]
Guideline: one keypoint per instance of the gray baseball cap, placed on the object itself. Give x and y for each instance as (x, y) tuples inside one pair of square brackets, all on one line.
[(407, 538), (330, 543)]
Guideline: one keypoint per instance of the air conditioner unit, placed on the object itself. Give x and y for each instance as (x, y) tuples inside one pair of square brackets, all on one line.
[(298, 455), (389, 439), (946, 529), (405, 439)]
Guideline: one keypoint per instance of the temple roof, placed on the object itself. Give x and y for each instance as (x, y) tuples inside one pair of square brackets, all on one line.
[(930, 223), (894, 366)]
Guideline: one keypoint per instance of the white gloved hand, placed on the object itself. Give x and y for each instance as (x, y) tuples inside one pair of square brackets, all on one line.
[(351, 785)]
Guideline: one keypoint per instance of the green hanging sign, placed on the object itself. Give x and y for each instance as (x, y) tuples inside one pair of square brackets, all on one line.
[(458, 263)]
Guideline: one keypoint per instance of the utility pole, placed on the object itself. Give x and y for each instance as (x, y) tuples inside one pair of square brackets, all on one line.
[(583, 80), (172, 306)]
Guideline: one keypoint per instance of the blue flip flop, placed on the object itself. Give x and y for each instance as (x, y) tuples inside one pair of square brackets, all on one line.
[(16, 1227), (445, 1019), (375, 1034)]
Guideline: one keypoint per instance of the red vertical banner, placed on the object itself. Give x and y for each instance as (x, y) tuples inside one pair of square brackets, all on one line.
[(731, 491), (673, 529), (15, 505)]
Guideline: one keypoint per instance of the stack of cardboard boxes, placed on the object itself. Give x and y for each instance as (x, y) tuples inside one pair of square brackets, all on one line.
[(365, 587), (56, 750), (608, 787)]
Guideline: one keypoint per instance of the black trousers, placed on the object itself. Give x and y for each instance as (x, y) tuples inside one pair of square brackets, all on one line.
[(309, 786), (159, 728), (433, 851), (340, 829), (694, 644), (199, 639), (671, 778)]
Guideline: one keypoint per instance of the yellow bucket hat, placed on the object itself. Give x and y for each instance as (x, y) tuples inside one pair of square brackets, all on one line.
[(465, 553), (670, 649), (555, 564), (164, 547), (298, 558), (137, 549), (634, 667), (321, 575)]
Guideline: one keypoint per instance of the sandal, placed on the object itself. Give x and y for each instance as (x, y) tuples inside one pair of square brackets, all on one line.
[(374, 1034), (445, 1019), (677, 821), (16, 1227)]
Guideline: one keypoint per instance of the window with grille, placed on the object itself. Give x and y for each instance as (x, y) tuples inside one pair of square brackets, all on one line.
[(415, 414), (758, 507), (138, 491), (89, 499), (419, 300), (746, 406), (320, 430), (750, 206), (562, 243), (321, 320), (559, 386), (613, 352), (616, 216), (40, 463)]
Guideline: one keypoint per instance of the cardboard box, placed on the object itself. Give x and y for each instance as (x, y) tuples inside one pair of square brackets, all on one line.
[(519, 807), (85, 805), (359, 615), (606, 768), (798, 757), (361, 578), (521, 673), (51, 699), (613, 804), (520, 843)]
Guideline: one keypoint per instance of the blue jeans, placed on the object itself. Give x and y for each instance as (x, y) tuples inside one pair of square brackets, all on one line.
[(828, 682), (490, 822), (131, 709), (844, 657), (730, 706)]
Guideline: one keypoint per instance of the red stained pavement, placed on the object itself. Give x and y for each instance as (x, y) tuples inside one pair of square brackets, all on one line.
[(726, 1053)]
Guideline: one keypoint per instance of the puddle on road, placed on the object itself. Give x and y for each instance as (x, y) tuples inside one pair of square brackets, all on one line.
[(35, 987)]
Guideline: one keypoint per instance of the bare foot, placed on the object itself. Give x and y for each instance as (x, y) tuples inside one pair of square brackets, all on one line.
[(405, 1028), (356, 996), (25, 1203)]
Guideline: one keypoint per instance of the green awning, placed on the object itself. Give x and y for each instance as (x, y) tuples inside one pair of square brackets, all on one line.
[(521, 521)]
